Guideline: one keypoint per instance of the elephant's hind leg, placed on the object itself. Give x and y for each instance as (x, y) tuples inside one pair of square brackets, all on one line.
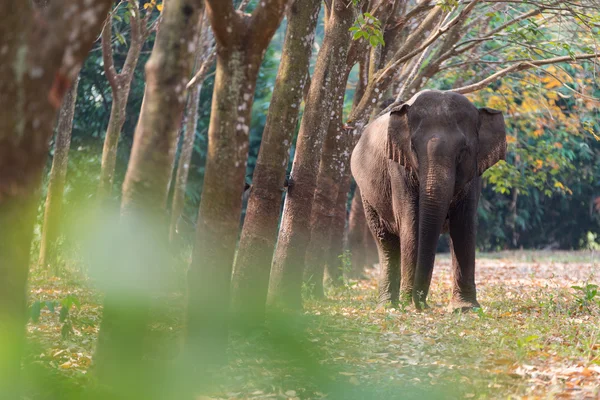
[(388, 246)]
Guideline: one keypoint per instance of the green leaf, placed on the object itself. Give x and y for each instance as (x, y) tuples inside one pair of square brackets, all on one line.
[(120, 38), (35, 310), (64, 313), (50, 305)]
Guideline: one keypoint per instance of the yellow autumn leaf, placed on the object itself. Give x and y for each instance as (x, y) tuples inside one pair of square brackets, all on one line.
[(495, 102), (511, 139), (558, 145), (538, 132), (538, 164), (551, 82), (147, 6), (552, 95), (159, 7)]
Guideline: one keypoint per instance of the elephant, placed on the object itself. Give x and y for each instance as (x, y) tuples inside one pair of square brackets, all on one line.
[(419, 170)]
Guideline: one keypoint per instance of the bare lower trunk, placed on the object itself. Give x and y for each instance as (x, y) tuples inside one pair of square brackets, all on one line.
[(136, 279), (331, 171), (294, 234), (241, 42), (111, 142), (255, 253), (356, 236), (33, 85), (337, 266), (209, 275), (56, 184), (185, 158)]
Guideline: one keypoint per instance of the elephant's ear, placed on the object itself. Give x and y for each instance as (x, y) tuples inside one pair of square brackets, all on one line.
[(492, 139), (398, 135)]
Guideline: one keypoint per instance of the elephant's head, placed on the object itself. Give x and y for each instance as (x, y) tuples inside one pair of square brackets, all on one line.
[(445, 142)]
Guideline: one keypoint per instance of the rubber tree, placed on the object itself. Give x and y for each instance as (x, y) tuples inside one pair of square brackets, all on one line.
[(241, 43), (259, 233), (120, 86), (135, 278), (41, 51), (331, 170), (294, 233), (356, 236), (56, 182), (203, 60), (333, 163)]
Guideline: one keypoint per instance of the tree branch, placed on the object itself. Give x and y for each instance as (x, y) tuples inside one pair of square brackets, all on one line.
[(392, 65), (225, 20), (265, 19), (107, 54), (210, 50), (521, 67)]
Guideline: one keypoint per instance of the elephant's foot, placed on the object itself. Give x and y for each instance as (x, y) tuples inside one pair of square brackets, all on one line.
[(387, 300), (460, 304), (420, 300)]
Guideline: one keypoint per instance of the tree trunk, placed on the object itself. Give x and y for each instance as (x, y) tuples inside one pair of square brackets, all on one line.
[(337, 266), (39, 62), (255, 253), (331, 170), (356, 237), (241, 43), (120, 85), (294, 233), (185, 157), (56, 184), (136, 279), (111, 141)]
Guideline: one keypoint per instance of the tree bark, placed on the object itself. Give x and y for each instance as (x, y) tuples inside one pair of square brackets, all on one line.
[(241, 43), (39, 58), (336, 267), (356, 236), (187, 145), (136, 278), (294, 233), (255, 253), (120, 85), (56, 184), (331, 171)]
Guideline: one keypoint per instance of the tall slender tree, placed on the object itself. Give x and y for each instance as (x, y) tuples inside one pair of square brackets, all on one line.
[(203, 59), (143, 208), (294, 233), (356, 235), (56, 183), (241, 42), (120, 85), (331, 171), (40, 55), (255, 253)]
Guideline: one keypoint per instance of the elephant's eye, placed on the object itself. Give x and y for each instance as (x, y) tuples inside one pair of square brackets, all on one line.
[(412, 147)]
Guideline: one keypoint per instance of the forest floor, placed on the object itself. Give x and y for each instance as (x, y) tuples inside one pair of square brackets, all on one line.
[(537, 335)]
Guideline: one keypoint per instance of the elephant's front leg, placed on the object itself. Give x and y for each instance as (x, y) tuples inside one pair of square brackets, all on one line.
[(408, 250), (462, 245), (388, 246)]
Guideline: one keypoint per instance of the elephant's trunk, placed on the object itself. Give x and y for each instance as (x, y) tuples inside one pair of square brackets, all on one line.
[(437, 188)]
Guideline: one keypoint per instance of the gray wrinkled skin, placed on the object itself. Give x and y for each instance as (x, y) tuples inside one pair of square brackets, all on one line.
[(419, 171)]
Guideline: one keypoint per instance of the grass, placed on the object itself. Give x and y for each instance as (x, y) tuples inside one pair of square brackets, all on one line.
[(534, 337)]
